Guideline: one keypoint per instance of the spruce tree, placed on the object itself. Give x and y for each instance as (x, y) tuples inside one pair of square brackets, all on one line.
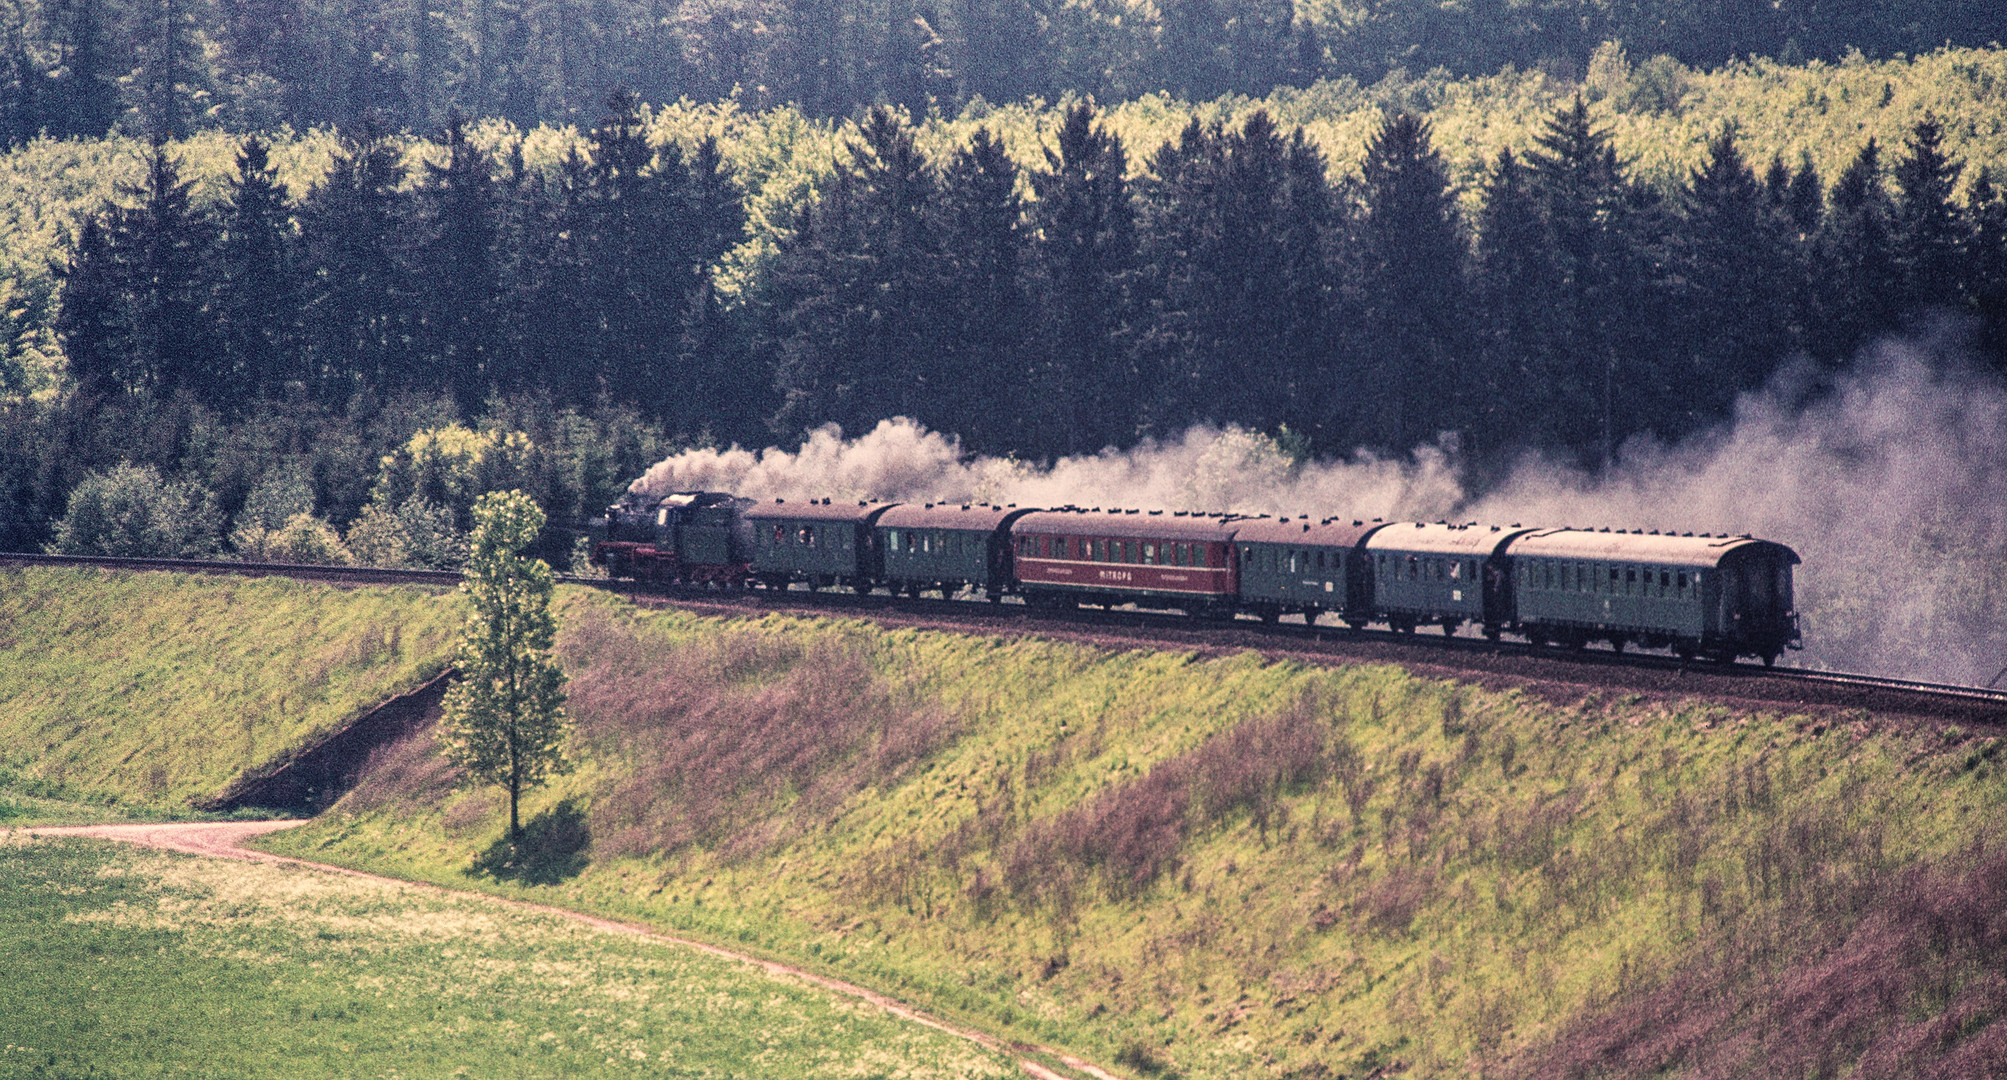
[(1085, 253), (1411, 253), (1986, 265), (83, 100), (1929, 228), (460, 277), (985, 369), (1590, 208), (862, 324), (257, 282), (357, 313), (1516, 286), (1732, 269), (1856, 255)]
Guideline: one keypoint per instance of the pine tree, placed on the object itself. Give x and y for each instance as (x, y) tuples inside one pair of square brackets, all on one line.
[(1085, 253), (641, 256), (137, 319), (93, 323), (1589, 206), (460, 276), (357, 313), (862, 324), (985, 373), (1855, 252), (1986, 263), (1516, 286), (257, 283), (1412, 260), (1929, 229), (173, 74), (1732, 269), (83, 100)]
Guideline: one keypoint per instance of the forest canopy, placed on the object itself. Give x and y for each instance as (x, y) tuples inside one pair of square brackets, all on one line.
[(1519, 261)]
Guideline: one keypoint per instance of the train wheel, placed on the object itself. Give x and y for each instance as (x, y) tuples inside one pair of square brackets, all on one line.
[(1616, 643), (1271, 615), (1769, 657), (1451, 626), (1491, 633), (1683, 650)]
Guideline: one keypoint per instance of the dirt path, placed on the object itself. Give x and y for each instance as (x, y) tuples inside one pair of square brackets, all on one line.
[(225, 840)]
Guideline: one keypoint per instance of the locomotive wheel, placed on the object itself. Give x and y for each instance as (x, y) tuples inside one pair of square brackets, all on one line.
[(1616, 643), (1769, 657), (1271, 615), (1451, 626), (1683, 650), (1491, 633)]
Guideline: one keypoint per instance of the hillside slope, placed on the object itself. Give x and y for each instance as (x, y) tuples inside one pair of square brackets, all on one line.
[(137, 692), (1230, 867)]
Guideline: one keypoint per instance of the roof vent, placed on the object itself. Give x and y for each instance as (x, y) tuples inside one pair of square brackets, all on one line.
[(1494, 528), (1606, 528), (1378, 519), (1356, 522), (1306, 526), (780, 500), (1686, 534), (965, 506), (929, 506), (1156, 513)]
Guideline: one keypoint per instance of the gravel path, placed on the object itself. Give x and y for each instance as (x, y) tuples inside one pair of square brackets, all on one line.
[(225, 840)]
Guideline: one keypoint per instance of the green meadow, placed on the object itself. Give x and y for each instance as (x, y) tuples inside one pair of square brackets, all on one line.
[(1171, 864), (125, 695), (1220, 867), (130, 963)]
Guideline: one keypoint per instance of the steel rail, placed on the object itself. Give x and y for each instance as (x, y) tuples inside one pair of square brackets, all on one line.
[(1127, 618)]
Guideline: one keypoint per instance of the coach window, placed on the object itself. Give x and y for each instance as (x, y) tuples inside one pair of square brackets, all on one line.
[(1456, 570), (1681, 581)]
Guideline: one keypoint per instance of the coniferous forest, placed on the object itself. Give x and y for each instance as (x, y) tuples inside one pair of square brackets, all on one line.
[(300, 332)]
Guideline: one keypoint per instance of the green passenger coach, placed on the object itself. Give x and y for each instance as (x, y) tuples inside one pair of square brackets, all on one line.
[(1722, 596)]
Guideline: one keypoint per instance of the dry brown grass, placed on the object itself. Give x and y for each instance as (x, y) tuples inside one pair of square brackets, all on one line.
[(736, 744)]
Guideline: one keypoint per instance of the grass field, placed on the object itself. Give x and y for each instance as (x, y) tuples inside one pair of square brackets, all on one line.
[(124, 695), (1212, 868), (128, 963), (1201, 867)]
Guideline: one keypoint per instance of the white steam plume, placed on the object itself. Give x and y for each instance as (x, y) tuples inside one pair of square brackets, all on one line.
[(1892, 486)]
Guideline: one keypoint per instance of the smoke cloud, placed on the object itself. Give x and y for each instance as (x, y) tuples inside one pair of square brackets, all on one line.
[(1891, 484)]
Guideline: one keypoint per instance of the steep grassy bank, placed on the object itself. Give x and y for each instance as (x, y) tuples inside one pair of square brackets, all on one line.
[(1225, 867), (126, 694), (130, 963)]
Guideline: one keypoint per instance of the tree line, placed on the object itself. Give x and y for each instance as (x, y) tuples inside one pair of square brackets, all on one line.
[(1043, 311), (167, 67)]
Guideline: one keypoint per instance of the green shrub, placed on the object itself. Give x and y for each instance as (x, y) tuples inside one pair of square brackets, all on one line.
[(129, 511)]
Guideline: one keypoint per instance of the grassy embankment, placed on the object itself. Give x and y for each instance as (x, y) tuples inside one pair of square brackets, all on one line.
[(122, 962), (122, 696), (1226, 867)]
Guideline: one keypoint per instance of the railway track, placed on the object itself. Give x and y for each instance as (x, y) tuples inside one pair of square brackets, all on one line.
[(1507, 660)]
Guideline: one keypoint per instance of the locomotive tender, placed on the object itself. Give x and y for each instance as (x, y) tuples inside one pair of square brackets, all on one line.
[(1721, 597)]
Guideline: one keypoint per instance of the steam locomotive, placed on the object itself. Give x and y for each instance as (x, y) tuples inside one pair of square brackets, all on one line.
[(1717, 596)]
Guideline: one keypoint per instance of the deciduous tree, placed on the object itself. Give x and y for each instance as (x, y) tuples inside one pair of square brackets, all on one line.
[(504, 720)]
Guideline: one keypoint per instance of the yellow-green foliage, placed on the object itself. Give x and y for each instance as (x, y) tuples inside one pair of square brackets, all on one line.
[(1465, 873), (1660, 114), (143, 690), (124, 962)]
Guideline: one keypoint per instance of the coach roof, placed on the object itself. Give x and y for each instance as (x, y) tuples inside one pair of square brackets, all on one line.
[(1304, 532), (1666, 549), (816, 510), (1126, 524), (1443, 538), (969, 516)]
